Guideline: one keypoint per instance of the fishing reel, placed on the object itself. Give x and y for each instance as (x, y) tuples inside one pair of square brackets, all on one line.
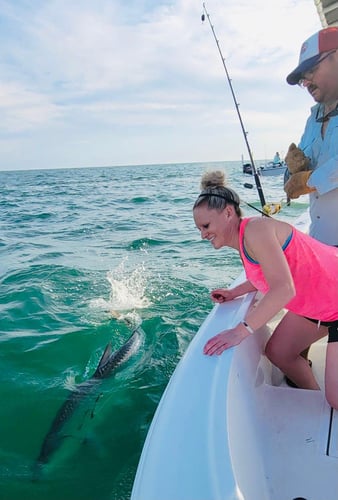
[(272, 208)]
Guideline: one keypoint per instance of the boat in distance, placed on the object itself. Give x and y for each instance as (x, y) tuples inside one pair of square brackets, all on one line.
[(271, 168), (229, 427), (247, 168), (266, 169)]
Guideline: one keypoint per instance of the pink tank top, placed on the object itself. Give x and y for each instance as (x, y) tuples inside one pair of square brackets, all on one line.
[(314, 269)]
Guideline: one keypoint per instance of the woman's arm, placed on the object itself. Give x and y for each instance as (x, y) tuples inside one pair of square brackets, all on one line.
[(263, 244), (243, 288), (221, 295)]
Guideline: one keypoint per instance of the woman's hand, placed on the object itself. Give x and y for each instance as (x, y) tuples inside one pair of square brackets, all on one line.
[(222, 295), (225, 340)]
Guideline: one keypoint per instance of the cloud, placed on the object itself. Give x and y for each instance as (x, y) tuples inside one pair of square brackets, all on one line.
[(80, 72), (23, 110)]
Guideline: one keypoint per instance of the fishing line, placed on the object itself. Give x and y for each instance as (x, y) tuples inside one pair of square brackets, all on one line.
[(266, 209)]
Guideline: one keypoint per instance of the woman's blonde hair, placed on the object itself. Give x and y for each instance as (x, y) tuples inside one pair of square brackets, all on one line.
[(215, 194)]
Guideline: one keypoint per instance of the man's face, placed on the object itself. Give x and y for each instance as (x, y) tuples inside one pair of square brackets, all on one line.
[(321, 81)]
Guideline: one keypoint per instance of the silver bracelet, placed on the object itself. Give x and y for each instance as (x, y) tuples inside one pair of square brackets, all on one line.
[(248, 327)]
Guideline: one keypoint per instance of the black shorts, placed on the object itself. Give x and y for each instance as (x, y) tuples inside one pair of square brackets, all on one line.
[(332, 326), (324, 323)]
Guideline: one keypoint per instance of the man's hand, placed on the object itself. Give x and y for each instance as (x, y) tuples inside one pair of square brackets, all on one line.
[(296, 160), (297, 185)]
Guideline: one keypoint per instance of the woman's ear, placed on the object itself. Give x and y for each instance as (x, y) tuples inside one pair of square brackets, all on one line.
[(229, 211)]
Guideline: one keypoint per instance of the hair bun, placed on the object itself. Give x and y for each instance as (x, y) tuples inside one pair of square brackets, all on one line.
[(212, 180)]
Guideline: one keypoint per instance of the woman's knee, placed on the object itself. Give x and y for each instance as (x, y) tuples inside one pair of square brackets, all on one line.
[(280, 353), (332, 398), (273, 352), (331, 374)]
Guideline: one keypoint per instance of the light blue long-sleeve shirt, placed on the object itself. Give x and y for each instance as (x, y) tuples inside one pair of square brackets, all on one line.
[(323, 154)]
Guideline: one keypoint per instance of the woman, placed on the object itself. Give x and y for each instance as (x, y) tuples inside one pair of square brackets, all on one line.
[(291, 269)]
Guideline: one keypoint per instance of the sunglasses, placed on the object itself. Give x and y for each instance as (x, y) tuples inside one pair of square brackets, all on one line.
[(304, 80)]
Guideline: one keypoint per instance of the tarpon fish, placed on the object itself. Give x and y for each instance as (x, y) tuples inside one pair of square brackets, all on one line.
[(108, 364)]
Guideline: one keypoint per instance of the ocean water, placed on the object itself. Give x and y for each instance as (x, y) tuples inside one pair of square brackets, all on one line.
[(76, 245)]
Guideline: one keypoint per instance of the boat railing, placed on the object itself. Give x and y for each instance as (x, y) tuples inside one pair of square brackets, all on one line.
[(191, 422)]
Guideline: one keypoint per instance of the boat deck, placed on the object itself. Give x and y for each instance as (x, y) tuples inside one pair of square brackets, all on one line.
[(298, 438)]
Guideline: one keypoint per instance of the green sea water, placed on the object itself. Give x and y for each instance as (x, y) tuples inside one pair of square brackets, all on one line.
[(76, 244)]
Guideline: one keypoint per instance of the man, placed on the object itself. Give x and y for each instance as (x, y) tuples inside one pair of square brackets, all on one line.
[(313, 166)]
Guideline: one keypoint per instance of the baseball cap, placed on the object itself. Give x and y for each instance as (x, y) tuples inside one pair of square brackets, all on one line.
[(311, 51)]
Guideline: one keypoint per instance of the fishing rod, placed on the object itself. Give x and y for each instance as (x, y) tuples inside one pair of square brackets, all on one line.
[(254, 170)]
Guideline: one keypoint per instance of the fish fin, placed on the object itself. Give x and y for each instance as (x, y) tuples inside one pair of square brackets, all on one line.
[(92, 413), (105, 356)]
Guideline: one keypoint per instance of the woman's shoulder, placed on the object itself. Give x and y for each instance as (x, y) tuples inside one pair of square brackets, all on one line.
[(260, 226), (254, 223)]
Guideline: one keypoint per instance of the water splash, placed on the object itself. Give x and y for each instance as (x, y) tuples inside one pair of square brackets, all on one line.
[(128, 291), (70, 382)]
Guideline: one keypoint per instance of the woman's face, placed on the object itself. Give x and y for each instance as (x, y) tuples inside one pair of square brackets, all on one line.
[(213, 224)]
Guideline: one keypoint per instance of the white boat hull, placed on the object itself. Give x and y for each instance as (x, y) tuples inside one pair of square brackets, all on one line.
[(229, 428), (270, 169)]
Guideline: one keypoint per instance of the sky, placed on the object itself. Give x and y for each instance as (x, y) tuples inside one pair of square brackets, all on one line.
[(87, 83)]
